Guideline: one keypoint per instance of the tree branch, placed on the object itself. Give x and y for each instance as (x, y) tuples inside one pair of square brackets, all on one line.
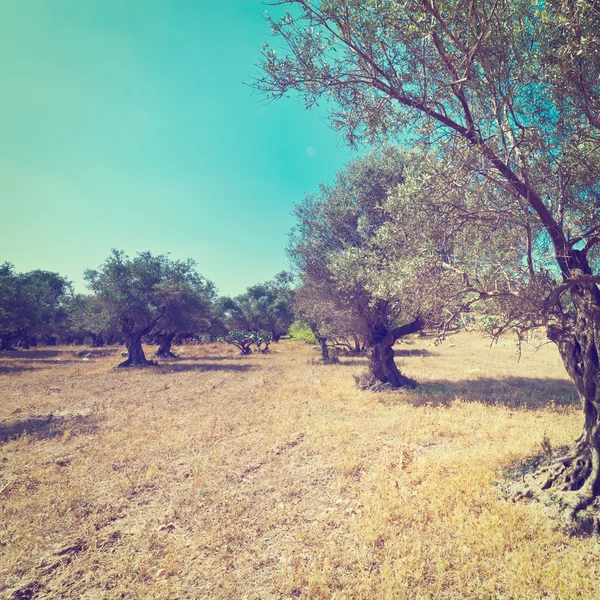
[(559, 290), (407, 329)]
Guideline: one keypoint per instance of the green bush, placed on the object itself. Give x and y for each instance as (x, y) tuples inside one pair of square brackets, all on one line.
[(301, 332)]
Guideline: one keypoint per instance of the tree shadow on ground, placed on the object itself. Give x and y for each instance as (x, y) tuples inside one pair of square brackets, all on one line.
[(399, 352), (514, 392), (198, 366), (11, 369), (93, 353), (183, 357), (52, 361), (18, 361), (43, 427), (31, 353), (356, 362), (33, 364)]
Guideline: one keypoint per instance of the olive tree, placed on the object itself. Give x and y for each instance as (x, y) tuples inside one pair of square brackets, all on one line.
[(265, 307), (189, 308), (327, 316), (341, 248), (510, 85), (143, 292), (31, 304)]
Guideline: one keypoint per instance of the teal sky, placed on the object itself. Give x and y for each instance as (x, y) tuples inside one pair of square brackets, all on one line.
[(125, 124)]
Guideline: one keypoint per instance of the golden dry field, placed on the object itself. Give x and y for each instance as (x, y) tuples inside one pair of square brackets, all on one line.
[(268, 477)]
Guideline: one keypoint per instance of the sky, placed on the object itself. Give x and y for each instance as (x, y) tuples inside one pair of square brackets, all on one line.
[(126, 124)]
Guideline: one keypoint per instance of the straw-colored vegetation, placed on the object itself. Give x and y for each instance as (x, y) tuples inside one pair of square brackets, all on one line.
[(220, 476)]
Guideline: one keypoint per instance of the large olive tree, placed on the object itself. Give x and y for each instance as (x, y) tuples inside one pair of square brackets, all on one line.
[(514, 85)]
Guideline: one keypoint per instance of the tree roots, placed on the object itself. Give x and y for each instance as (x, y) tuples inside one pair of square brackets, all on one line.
[(164, 354), (127, 364), (563, 482), (367, 381)]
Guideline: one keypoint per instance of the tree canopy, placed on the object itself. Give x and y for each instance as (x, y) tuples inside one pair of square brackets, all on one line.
[(30, 303), (88, 315)]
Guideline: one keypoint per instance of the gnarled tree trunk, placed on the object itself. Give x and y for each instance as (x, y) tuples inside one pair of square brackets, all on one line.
[(324, 348), (50, 340), (164, 348), (326, 357), (578, 472), (135, 352), (382, 365), (381, 354), (574, 476)]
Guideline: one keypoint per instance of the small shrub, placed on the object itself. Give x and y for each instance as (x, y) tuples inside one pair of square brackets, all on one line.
[(546, 444), (301, 332)]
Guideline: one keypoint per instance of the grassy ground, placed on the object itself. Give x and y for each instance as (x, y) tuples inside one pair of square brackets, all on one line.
[(219, 476)]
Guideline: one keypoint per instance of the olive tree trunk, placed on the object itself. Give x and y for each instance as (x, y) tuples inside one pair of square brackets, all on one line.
[(577, 472), (5, 342), (573, 477), (326, 357), (381, 354), (25, 341), (324, 348), (135, 352), (164, 348), (383, 367), (97, 340)]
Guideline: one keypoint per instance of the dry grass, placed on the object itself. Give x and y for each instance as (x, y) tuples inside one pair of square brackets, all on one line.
[(218, 476)]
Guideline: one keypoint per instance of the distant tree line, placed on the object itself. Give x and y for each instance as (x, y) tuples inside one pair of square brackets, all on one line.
[(147, 298)]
